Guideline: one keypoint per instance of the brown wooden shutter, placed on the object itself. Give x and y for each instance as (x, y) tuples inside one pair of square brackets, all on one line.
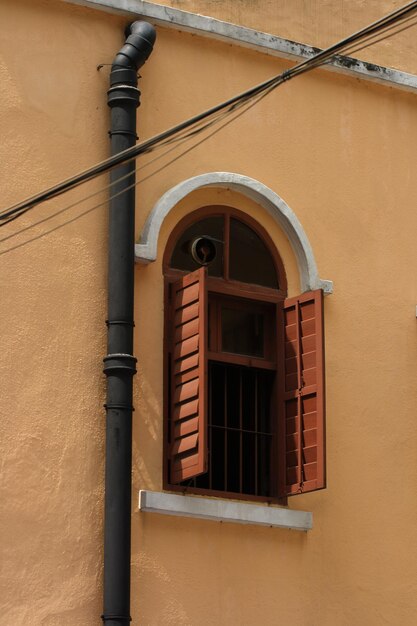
[(188, 449), (302, 415)]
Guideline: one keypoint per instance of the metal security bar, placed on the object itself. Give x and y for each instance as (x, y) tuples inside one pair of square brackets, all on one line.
[(239, 430)]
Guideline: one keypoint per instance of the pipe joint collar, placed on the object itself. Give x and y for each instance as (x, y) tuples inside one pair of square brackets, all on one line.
[(126, 93), (119, 363), (116, 617), (123, 75)]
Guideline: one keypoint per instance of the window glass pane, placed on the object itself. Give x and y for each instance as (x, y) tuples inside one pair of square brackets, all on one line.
[(181, 257), (233, 465), (249, 384), (264, 467), (250, 260), (242, 332), (233, 386), (248, 462)]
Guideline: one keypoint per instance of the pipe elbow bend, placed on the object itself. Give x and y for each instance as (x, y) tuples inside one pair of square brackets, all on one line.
[(138, 46)]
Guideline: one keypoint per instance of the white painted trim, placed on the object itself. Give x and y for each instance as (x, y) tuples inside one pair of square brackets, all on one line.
[(146, 249), (205, 26), (224, 511)]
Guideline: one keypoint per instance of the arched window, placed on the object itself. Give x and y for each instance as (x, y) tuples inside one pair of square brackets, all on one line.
[(244, 373)]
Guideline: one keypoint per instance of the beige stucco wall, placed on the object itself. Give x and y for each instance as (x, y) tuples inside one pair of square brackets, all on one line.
[(340, 152), (318, 23), (53, 122)]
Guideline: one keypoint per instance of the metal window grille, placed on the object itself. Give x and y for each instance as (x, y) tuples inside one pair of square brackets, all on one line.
[(239, 430)]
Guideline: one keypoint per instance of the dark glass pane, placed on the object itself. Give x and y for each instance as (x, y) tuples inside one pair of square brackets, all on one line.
[(181, 257), (264, 465), (233, 461), (202, 481), (239, 430), (233, 397), (217, 459), (242, 332), (248, 399), (264, 394), (217, 390), (250, 260), (249, 469)]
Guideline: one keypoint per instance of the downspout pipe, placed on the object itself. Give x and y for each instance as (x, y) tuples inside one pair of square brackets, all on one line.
[(120, 364)]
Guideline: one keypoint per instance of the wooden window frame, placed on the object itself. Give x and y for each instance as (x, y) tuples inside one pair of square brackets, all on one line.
[(214, 349), (222, 289), (225, 284), (219, 289)]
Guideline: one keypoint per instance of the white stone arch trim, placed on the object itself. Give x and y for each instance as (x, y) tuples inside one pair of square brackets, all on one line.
[(146, 249)]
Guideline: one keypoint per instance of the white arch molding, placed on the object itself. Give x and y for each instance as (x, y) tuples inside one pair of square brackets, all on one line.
[(146, 249)]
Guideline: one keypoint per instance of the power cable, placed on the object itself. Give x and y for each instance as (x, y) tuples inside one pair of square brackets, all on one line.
[(143, 166), (313, 62), (85, 198), (16, 211), (171, 134), (150, 144), (178, 139), (384, 24), (377, 39), (104, 202)]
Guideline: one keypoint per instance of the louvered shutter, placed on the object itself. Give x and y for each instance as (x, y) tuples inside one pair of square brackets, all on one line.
[(188, 449), (302, 415)]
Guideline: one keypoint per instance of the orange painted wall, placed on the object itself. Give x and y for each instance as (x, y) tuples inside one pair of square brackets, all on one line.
[(318, 23), (341, 153)]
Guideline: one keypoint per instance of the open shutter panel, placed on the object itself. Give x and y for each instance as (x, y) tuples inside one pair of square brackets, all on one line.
[(302, 439), (188, 450)]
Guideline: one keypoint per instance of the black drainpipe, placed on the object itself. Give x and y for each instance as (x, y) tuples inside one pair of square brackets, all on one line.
[(120, 364)]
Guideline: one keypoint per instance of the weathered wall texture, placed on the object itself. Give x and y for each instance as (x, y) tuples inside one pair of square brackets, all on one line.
[(53, 122), (315, 22), (340, 152)]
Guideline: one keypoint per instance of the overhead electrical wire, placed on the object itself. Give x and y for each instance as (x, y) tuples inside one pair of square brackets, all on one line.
[(200, 127), (199, 123), (371, 40), (138, 182), (146, 146), (374, 39), (388, 21), (180, 140), (92, 195)]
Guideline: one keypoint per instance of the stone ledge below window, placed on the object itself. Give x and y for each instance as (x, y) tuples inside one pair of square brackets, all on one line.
[(224, 511)]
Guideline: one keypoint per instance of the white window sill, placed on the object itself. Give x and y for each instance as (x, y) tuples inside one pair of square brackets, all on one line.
[(224, 511)]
